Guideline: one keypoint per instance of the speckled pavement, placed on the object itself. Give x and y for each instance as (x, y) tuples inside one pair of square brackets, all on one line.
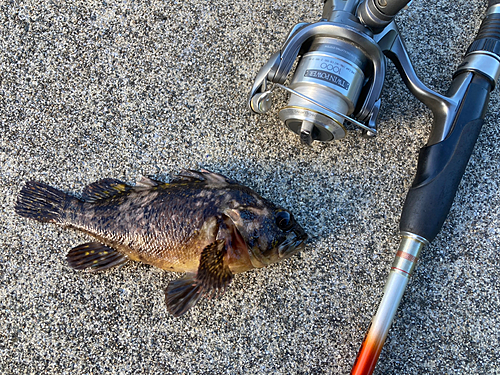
[(124, 89)]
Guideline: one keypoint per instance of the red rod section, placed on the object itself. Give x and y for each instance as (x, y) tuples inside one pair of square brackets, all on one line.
[(368, 355)]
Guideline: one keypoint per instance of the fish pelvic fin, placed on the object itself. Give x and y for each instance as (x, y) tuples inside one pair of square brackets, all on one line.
[(94, 256), (103, 189), (182, 294), (42, 202), (213, 276)]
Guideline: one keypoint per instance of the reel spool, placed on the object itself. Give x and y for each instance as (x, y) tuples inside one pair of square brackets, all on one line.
[(332, 72)]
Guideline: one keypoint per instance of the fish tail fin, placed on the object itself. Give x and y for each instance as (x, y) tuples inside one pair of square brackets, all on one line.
[(41, 202)]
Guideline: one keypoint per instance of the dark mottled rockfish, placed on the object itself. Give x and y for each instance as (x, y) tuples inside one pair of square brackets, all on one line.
[(201, 223)]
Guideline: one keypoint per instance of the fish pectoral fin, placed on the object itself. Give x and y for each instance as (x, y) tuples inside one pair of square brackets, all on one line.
[(94, 256), (213, 273), (103, 189), (182, 294)]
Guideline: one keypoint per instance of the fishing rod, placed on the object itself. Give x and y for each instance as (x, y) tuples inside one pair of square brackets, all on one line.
[(337, 85)]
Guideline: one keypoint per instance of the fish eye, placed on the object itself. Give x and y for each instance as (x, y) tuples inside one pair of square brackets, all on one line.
[(284, 221)]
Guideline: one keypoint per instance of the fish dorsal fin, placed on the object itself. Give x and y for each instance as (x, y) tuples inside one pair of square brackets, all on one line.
[(216, 179), (188, 175), (94, 256), (103, 189), (146, 183), (213, 276)]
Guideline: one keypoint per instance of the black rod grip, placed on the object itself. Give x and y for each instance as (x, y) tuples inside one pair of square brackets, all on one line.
[(441, 166)]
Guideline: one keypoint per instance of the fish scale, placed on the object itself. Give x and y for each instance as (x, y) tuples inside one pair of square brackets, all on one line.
[(161, 238)]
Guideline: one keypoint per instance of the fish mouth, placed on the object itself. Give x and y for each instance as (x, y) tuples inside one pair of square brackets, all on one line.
[(295, 242)]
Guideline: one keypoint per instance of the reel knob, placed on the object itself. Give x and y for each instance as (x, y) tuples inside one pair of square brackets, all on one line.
[(261, 103)]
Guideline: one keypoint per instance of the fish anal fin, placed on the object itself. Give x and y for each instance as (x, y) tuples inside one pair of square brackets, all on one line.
[(94, 256), (182, 294), (214, 274), (103, 189)]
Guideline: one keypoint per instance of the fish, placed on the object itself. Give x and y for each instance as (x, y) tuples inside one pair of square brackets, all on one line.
[(201, 223)]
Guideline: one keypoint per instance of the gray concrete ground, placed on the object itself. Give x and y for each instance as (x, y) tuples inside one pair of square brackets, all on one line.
[(120, 89)]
